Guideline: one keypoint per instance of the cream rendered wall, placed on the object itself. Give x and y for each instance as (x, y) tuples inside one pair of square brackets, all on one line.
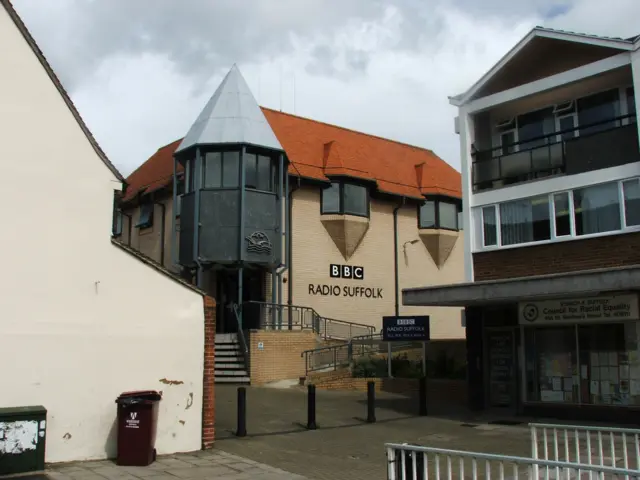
[(314, 251), (80, 320)]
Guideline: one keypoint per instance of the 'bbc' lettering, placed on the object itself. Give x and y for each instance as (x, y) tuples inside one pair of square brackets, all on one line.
[(346, 271)]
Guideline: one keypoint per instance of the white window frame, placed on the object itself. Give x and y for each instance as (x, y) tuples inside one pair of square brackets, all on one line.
[(554, 238)]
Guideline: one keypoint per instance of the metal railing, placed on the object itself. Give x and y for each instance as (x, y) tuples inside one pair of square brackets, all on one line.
[(274, 316), (556, 153), (332, 357), (615, 447), (410, 462), (241, 338)]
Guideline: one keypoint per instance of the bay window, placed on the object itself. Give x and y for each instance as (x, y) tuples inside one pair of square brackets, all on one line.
[(440, 213), (596, 209), (342, 198)]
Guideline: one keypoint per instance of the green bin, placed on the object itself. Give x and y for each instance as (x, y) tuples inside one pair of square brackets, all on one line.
[(22, 439)]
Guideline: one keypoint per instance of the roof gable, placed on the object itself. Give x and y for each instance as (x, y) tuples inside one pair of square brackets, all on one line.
[(320, 151), (552, 51), (22, 28), (231, 116)]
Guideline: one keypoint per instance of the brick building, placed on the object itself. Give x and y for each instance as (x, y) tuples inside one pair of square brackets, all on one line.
[(311, 240), (550, 174)]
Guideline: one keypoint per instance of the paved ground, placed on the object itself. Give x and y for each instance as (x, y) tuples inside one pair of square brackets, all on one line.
[(212, 464), (344, 446)]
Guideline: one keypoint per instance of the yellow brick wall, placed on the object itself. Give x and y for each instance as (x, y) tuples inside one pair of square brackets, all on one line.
[(314, 251), (280, 356)]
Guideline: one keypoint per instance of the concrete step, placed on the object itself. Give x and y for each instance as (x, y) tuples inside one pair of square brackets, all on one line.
[(229, 358), (226, 337), (230, 373), (229, 365), (235, 380)]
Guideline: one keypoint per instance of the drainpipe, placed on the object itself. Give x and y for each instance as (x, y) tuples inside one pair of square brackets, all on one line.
[(174, 196), (395, 255), (162, 227)]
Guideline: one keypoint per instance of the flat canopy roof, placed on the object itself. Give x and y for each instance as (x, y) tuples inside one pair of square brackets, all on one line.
[(511, 290)]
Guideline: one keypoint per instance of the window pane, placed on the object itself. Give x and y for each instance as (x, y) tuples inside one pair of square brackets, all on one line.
[(531, 126), (631, 189), (264, 174), (331, 199), (507, 140), (598, 108), (490, 226), (251, 171), (555, 366), (428, 214), (567, 123), (596, 209), (231, 170), (525, 220), (563, 218), (448, 215), (631, 104), (213, 170), (356, 200), (460, 221), (190, 186)]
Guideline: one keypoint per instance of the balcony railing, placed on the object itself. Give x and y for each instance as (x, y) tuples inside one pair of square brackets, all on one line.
[(582, 149)]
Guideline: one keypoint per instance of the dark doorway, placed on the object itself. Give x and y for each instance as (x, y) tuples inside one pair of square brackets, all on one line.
[(227, 296), (501, 363)]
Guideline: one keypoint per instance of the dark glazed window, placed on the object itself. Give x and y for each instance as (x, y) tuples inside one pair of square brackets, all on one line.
[(221, 169), (259, 173), (146, 216), (345, 198), (439, 214), (331, 199)]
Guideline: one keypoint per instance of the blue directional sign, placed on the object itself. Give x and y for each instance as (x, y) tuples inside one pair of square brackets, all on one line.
[(405, 328)]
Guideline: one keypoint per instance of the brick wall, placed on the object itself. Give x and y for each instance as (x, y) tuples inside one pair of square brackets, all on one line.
[(208, 394), (280, 357), (439, 392), (576, 255)]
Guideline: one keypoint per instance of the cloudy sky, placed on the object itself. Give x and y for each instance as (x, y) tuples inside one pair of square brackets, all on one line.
[(140, 71)]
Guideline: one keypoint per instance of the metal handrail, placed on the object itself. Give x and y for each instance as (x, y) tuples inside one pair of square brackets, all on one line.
[(242, 340), (318, 319)]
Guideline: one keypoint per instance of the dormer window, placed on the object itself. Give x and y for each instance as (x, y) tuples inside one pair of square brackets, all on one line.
[(146, 216), (344, 198), (440, 213)]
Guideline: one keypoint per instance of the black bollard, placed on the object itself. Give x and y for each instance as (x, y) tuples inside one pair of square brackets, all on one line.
[(371, 402), (422, 397), (311, 408), (242, 412)]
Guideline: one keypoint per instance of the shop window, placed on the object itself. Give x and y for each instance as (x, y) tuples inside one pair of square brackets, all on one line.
[(439, 213), (592, 364), (525, 220), (146, 216), (221, 170), (343, 198)]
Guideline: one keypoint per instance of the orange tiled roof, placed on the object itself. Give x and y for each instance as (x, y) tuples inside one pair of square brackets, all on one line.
[(318, 150)]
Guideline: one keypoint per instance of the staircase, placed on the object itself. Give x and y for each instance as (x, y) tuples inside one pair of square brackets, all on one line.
[(230, 365)]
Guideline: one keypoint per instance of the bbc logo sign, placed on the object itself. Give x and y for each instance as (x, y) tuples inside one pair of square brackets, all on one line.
[(346, 271)]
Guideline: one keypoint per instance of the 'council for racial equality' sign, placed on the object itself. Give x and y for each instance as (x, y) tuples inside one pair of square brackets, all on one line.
[(405, 328)]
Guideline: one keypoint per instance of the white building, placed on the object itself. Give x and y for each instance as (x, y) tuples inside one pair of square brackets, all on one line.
[(82, 318), (551, 187)]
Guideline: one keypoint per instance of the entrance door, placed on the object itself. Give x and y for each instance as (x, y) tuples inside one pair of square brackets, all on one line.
[(501, 367), (227, 286)]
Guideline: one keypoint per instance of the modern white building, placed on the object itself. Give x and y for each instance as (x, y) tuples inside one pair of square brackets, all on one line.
[(82, 317), (551, 187)]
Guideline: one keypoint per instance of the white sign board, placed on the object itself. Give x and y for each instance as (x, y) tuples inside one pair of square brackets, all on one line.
[(602, 308)]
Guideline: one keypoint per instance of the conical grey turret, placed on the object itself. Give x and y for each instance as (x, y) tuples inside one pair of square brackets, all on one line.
[(231, 116)]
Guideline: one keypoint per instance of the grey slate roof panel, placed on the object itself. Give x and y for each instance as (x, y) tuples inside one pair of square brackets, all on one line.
[(231, 116)]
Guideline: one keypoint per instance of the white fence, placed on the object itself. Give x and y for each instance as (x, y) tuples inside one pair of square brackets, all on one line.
[(615, 447), (409, 462)]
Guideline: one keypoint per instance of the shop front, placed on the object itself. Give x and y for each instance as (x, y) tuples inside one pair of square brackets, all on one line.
[(563, 346)]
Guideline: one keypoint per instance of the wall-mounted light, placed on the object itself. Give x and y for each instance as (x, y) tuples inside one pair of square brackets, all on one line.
[(404, 248)]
